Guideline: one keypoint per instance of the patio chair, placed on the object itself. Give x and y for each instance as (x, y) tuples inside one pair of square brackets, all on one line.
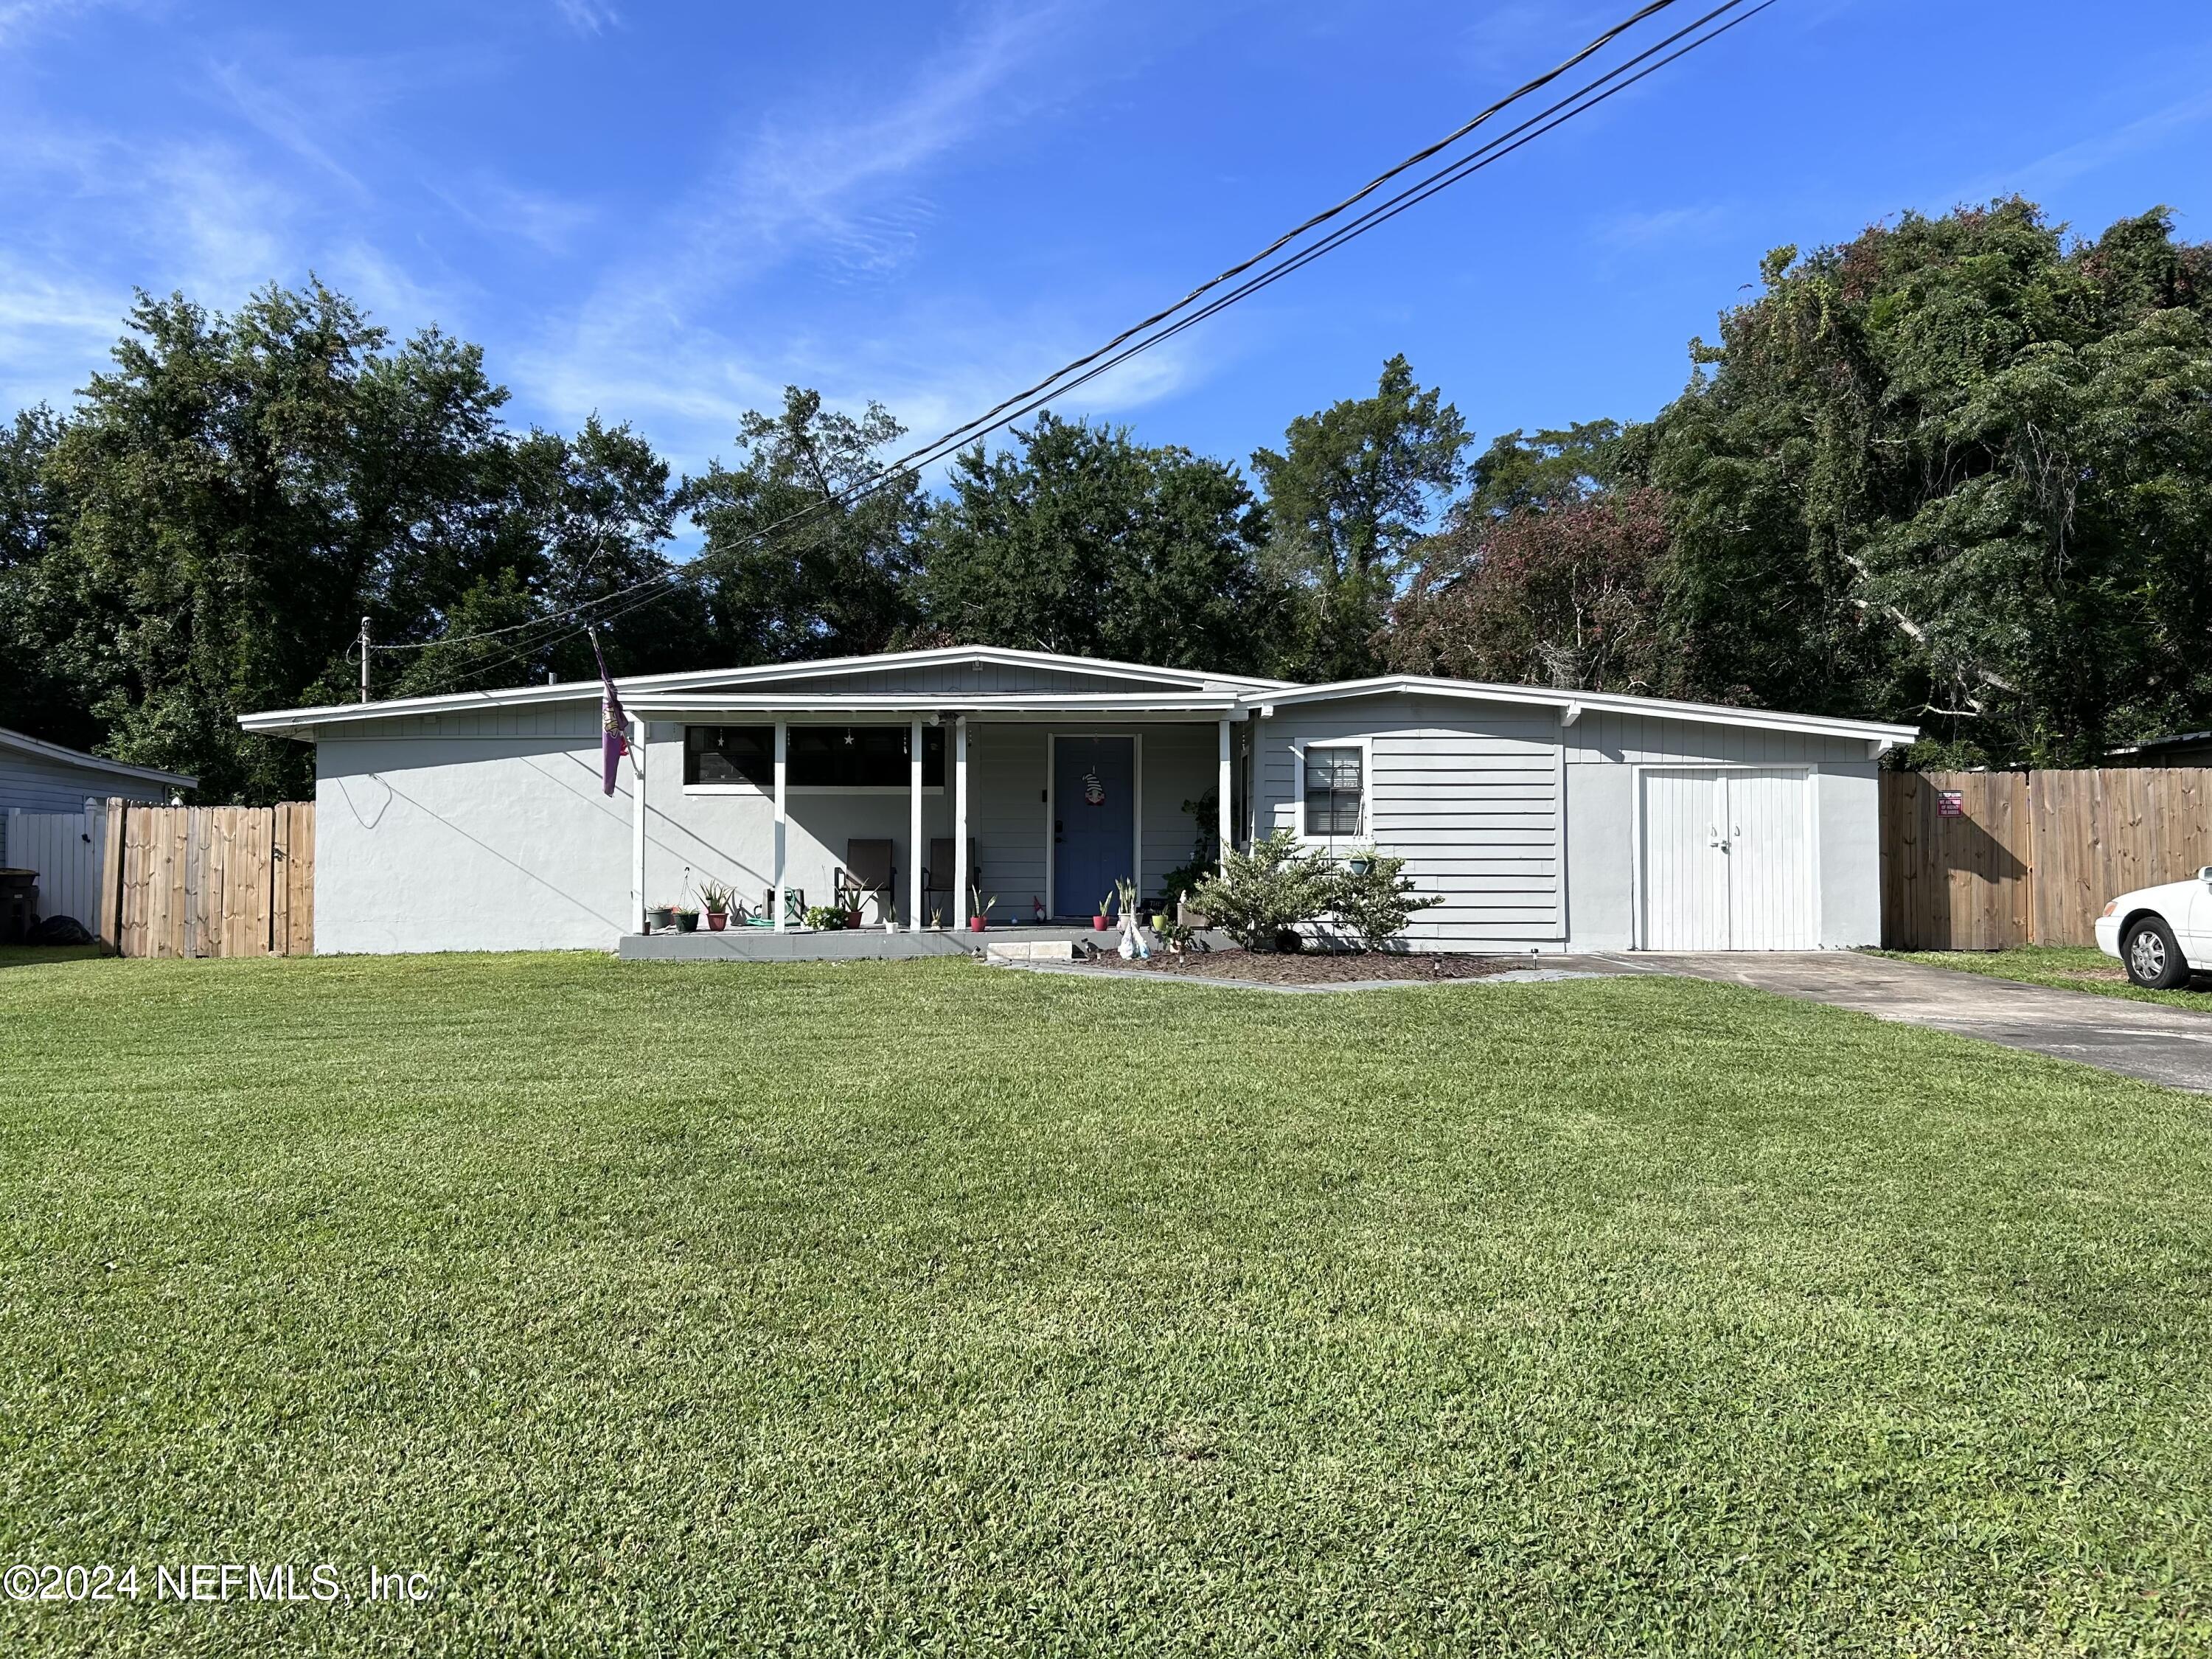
[(868, 872), (937, 875)]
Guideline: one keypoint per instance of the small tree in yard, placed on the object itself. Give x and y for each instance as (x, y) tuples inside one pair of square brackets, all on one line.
[(1374, 908), (1262, 895)]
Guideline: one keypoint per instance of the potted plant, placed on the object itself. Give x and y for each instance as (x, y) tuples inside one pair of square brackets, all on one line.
[(1098, 922), (661, 917), (717, 900), (853, 918), (979, 917), (1360, 860), (828, 919), (687, 922)]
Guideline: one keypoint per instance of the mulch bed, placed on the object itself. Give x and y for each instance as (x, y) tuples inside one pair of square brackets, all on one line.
[(1319, 967)]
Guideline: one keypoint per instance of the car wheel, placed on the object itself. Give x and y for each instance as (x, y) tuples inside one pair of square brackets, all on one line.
[(2153, 957)]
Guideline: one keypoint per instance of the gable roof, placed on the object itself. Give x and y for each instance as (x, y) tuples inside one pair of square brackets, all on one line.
[(1572, 705), (23, 743), (783, 687), (660, 689)]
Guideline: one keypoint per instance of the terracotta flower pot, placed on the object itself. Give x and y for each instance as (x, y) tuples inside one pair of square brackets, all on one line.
[(717, 920)]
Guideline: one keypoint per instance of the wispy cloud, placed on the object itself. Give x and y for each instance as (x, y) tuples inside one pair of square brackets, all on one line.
[(1661, 226), (588, 16), (682, 332), (2046, 173)]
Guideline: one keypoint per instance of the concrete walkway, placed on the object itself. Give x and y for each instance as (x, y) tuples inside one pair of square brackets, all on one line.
[(2148, 1040)]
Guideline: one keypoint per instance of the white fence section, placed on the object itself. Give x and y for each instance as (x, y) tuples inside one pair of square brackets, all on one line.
[(65, 849)]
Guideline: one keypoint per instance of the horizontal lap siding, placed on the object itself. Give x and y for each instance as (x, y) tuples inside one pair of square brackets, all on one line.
[(1474, 812), (1468, 795)]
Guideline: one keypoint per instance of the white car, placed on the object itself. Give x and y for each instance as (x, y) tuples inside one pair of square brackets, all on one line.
[(2161, 933)]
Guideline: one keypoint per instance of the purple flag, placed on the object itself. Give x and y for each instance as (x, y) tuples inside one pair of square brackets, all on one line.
[(614, 733)]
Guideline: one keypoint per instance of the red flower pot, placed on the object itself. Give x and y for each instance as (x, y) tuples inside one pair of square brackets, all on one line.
[(975, 924), (851, 921), (1097, 924), (717, 920)]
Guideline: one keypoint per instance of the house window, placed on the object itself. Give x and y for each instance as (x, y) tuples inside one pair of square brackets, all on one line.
[(815, 756), (1333, 784), (729, 754)]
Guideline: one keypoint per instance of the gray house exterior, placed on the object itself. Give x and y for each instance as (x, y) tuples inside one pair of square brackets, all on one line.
[(37, 776), (1547, 821)]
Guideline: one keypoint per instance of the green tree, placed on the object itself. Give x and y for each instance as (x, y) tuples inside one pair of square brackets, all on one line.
[(1078, 539), (837, 582), (1541, 469), (1957, 469), (1349, 495), (202, 533), (1562, 592)]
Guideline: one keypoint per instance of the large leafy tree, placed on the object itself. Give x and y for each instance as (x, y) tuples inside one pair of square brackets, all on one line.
[(1555, 591), (200, 535), (797, 561), (1959, 469), (1349, 494), (1079, 539)]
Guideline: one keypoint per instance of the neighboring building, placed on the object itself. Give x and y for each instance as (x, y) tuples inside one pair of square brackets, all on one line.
[(2183, 749), (37, 776), (1548, 820)]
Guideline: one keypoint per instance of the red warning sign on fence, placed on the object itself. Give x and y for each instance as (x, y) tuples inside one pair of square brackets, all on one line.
[(1950, 803)]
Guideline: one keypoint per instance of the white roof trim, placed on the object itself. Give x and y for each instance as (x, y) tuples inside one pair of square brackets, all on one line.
[(1706, 713), (911, 704), (638, 686), (55, 751)]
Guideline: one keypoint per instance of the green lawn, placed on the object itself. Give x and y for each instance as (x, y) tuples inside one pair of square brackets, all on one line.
[(929, 1307), (2068, 966)]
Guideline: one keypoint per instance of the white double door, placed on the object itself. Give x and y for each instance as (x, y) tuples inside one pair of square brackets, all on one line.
[(1728, 859)]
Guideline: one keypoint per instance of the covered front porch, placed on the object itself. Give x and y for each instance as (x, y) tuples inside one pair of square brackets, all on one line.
[(918, 814)]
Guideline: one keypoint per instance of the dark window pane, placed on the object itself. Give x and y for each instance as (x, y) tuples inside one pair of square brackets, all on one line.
[(729, 754)]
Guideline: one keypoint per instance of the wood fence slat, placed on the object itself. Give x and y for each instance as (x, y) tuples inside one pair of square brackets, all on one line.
[(2032, 856), (210, 881)]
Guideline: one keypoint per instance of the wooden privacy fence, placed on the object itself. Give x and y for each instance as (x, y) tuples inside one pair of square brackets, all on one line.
[(210, 881), (1985, 861)]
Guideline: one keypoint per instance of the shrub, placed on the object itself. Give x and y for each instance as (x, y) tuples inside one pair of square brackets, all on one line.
[(1375, 907), (1259, 896)]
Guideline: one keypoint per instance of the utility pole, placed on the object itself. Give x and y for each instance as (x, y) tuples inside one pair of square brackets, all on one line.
[(364, 659)]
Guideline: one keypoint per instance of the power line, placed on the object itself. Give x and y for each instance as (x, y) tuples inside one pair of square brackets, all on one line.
[(1128, 344)]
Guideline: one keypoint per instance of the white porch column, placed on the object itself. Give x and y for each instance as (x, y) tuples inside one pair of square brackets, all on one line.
[(640, 730), (782, 817), (914, 843), (1228, 825), (960, 876)]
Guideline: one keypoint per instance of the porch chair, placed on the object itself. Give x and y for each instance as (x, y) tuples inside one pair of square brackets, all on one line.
[(868, 872), (937, 878)]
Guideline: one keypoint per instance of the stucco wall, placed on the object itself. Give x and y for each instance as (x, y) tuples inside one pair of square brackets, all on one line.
[(502, 843), (445, 836), (1602, 752)]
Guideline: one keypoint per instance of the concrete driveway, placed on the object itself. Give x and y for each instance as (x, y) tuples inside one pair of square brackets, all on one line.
[(2148, 1040)]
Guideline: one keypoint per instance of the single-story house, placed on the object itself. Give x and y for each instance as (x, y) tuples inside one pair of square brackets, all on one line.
[(38, 776), (2179, 748), (1546, 820)]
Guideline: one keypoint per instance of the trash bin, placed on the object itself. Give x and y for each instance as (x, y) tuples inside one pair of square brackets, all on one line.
[(19, 904)]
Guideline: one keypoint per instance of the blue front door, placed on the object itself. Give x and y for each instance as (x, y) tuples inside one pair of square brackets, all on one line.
[(1094, 829)]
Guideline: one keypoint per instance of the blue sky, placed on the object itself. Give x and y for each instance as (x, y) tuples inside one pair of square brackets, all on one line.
[(666, 212)]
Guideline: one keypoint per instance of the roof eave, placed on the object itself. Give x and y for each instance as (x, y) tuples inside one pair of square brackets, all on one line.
[(1613, 702)]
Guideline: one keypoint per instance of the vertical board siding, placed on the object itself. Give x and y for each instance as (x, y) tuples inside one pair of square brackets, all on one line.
[(2032, 856), (211, 881), (1006, 814), (68, 850)]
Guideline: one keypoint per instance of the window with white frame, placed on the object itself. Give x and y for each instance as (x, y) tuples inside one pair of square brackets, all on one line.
[(1335, 790)]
